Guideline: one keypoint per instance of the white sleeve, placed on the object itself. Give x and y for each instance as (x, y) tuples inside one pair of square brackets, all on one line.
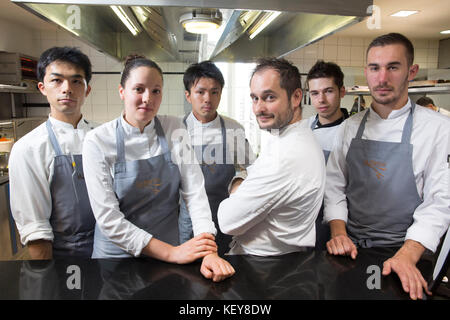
[(192, 183), (335, 201), (251, 203), (432, 217), (30, 198), (105, 204)]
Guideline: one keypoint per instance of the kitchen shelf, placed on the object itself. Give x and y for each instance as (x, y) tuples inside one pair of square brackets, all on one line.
[(414, 90)]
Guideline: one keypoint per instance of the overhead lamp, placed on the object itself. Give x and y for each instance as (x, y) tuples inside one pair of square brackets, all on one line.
[(445, 32), (126, 20), (404, 13), (201, 22), (262, 23)]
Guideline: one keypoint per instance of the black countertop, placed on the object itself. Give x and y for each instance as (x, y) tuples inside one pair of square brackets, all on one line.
[(306, 275)]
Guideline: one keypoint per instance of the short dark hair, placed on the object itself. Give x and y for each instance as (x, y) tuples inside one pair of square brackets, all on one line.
[(134, 61), (394, 38), (65, 54), (205, 69), (322, 69), (424, 101), (290, 79)]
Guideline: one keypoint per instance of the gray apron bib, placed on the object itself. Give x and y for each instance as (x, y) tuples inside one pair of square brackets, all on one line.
[(71, 219), (217, 178), (148, 194), (326, 153), (381, 191), (322, 229)]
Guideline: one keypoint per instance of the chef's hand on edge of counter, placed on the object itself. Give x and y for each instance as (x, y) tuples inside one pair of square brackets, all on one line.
[(340, 243), (403, 263), (193, 249), (215, 268)]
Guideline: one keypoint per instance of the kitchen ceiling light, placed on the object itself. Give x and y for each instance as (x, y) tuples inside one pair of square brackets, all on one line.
[(445, 32), (262, 23), (132, 26), (200, 22), (404, 13)]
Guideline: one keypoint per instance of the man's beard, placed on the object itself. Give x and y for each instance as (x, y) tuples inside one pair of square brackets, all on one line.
[(281, 122)]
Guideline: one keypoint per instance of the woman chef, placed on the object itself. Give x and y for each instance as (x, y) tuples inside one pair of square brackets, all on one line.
[(134, 180)]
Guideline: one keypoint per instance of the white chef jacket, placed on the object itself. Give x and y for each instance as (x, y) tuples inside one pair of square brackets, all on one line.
[(431, 145), (99, 157), (31, 171), (211, 133), (325, 135), (273, 212)]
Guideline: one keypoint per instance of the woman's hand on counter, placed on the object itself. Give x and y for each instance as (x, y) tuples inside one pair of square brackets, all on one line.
[(215, 268)]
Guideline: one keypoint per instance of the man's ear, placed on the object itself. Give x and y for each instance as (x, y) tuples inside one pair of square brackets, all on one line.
[(296, 97), (41, 88), (413, 70), (88, 90), (342, 92), (187, 94)]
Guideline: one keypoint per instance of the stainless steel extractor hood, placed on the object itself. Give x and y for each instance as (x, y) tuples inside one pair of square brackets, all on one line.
[(153, 28)]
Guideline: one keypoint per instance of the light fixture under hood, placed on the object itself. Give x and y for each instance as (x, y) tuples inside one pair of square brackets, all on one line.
[(126, 19), (265, 19), (201, 21)]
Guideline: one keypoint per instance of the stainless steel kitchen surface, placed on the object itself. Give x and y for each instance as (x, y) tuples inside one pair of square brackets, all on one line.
[(160, 35)]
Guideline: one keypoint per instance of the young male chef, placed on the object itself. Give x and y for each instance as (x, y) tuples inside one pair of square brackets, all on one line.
[(219, 143), (388, 177), (325, 81), (273, 211), (49, 201)]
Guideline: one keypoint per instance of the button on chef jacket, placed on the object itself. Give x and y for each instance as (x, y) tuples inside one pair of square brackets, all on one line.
[(274, 210), (31, 171), (99, 157), (431, 145)]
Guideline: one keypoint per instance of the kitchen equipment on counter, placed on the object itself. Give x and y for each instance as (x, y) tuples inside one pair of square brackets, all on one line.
[(4, 157), (6, 144)]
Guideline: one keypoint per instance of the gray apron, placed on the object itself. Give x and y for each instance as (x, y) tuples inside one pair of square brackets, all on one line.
[(381, 191), (217, 178), (71, 219), (148, 194), (326, 153), (322, 229)]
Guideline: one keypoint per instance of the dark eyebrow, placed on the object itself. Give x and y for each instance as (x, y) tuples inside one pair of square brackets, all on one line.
[(72, 76)]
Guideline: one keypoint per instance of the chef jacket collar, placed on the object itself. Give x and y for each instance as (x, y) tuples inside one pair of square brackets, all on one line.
[(82, 124), (212, 123), (130, 130), (394, 113)]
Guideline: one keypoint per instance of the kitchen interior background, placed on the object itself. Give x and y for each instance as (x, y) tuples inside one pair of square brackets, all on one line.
[(104, 104)]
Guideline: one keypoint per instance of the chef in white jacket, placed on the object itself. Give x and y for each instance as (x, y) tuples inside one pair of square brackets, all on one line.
[(135, 171), (219, 143), (325, 82), (49, 201), (273, 211), (388, 177)]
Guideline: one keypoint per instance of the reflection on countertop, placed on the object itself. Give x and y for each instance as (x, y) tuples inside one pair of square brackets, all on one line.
[(308, 275)]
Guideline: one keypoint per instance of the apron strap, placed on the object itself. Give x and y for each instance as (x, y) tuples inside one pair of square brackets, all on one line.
[(53, 139), (162, 139), (362, 126), (120, 143), (184, 119), (224, 139), (407, 128)]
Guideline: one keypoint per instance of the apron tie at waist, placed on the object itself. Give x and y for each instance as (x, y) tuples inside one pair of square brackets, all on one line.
[(365, 243)]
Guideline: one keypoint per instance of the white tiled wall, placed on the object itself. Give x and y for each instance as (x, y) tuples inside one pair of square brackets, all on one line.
[(351, 52)]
